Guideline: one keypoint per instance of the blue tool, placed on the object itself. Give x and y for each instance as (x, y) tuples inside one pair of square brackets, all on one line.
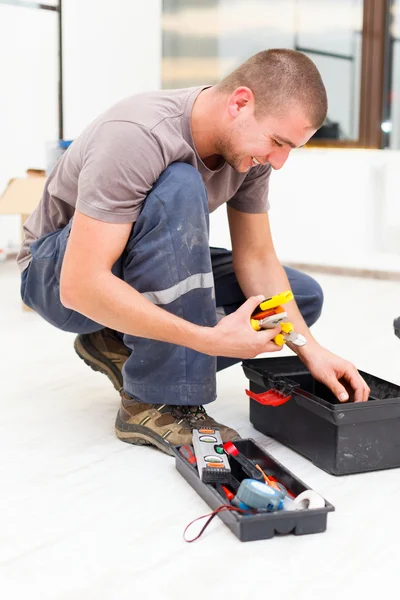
[(254, 494)]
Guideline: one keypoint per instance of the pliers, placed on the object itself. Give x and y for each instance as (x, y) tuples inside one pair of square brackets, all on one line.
[(270, 314)]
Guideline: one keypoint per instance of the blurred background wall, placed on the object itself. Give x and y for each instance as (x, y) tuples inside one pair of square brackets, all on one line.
[(333, 204)]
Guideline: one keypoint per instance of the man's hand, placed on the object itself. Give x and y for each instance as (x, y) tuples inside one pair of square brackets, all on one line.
[(234, 336), (339, 375)]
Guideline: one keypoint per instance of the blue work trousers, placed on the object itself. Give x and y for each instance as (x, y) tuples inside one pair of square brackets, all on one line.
[(168, 260)]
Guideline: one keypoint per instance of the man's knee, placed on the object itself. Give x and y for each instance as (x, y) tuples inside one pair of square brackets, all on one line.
[(182, 176), (178, 200), (313, 302)]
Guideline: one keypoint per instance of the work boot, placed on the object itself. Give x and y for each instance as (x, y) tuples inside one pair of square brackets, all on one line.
[(163, 425), (103, 351)]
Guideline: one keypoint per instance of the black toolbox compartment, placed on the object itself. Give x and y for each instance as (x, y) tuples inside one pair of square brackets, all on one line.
[(264, 525), (340, 438)]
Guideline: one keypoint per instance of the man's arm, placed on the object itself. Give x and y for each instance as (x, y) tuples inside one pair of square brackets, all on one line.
[(88, 286), (258, 270), (257, 267)]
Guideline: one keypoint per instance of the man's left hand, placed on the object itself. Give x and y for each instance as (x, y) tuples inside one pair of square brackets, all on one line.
[(339, 375)]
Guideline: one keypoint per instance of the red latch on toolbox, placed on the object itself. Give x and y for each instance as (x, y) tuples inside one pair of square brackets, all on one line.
[(270, 398)]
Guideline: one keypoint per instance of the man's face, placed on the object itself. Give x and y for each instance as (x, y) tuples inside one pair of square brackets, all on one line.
[(247, 142)]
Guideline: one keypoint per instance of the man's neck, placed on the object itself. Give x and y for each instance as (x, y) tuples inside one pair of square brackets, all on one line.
[(204, 123)]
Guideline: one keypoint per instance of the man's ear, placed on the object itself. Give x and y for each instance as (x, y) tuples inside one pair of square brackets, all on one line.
[(242, 98)]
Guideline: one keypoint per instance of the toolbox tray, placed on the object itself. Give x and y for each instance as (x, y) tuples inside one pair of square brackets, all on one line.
[(340, 438), (260, 526)]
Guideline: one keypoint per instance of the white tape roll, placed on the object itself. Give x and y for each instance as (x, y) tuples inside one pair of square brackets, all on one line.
[(309, 499)]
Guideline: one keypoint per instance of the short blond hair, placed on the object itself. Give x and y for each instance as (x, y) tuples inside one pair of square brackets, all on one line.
[(280, 79)]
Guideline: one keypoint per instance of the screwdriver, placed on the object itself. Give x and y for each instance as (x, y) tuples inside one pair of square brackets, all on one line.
[(187, 452), (247, 465)]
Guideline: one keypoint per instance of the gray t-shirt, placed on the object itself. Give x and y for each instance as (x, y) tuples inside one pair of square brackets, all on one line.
[(110, 168)]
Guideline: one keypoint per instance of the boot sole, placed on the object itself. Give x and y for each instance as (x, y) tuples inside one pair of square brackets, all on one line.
[(140, 436), (97, 361)]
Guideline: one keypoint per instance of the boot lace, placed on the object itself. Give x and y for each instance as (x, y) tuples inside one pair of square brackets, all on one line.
[(191, 414)]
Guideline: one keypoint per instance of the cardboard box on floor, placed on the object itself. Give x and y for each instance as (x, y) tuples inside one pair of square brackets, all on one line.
[(22, 195)]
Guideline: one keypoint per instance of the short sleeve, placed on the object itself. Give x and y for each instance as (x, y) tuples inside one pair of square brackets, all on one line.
[(252, 195), (121, 161)]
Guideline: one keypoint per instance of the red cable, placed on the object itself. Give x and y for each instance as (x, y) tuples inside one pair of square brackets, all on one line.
[(212, 515)]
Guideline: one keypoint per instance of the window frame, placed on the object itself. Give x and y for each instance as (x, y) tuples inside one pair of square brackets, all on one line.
[(375, 77)]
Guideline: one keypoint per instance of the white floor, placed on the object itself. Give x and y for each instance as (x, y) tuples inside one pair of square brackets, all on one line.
[(84, 516)]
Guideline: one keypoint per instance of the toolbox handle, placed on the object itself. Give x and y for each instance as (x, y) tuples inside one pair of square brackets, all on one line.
[(279, 393), (270, 398)]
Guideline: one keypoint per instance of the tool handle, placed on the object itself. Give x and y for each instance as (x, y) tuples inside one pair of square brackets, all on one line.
[(187, 452), (249, 467), (274, 301)]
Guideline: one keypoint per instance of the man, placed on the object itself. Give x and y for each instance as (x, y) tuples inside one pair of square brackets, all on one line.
[(119, 243)]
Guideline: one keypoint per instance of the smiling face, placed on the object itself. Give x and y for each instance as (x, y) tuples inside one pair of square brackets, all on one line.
[(246, 141)]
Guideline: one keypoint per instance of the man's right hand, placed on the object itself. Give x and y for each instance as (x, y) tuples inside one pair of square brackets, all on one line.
[(234, 336)]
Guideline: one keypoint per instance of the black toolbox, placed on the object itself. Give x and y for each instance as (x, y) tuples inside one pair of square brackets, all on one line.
[(251, 527), (396, 325), (340, 438)]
